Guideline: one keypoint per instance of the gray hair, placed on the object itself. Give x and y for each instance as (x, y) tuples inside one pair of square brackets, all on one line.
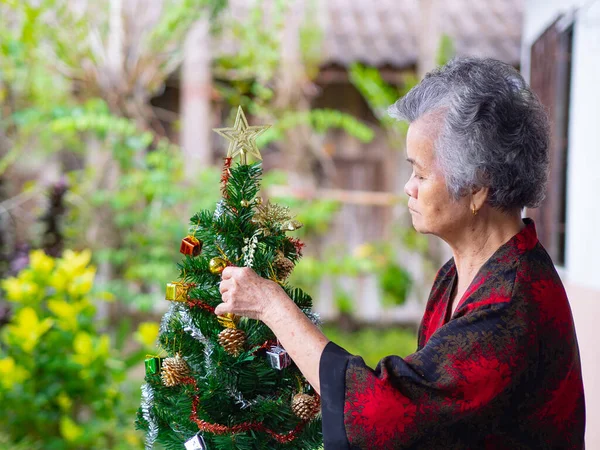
[(496, 131)]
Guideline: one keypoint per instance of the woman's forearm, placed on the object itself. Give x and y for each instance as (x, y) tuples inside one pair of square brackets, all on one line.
[(303, 341)]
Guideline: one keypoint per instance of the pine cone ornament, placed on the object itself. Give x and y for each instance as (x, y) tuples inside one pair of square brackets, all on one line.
[(283, 265), (174, 370), (232, 340), (305, 406)]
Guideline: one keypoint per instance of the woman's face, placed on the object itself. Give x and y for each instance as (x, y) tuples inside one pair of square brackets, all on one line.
[(432, 208)]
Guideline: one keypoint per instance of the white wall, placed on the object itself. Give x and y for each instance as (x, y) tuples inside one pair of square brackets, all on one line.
[(583, 176)]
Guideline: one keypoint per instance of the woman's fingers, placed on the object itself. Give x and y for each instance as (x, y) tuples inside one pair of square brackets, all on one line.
[(229, 272), (222, 308), (223, 287)]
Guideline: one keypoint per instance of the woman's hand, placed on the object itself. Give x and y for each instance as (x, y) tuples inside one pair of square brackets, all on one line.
[(246, 294)]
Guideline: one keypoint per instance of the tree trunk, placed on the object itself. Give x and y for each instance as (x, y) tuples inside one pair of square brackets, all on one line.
[(195, 99)]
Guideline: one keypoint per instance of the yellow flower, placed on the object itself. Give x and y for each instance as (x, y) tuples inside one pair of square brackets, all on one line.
[(84, 349), (21, 290), (12, 287), (60, 281), (82, 284), (64, 402), (11, 373), (71, 266), (40, 262), (69, 429), (26, 329), (75, 263), (67, 313), (147, 333)]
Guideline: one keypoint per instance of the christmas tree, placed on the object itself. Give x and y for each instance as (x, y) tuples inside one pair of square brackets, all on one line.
[(223, 382)]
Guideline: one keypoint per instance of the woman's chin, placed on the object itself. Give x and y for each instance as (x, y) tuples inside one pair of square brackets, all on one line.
[(418, 225)]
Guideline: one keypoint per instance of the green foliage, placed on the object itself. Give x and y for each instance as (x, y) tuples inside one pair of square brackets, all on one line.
[(179, 16), (446, 50), (59, 376), (148, 192), (378, 94), (375, 258), (320, 120), (6, 443), (395, 284), (244, 234), (344, 302), (373, 344), (243, 76)]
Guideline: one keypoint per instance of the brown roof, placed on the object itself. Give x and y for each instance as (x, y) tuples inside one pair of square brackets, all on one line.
[(385, 32)]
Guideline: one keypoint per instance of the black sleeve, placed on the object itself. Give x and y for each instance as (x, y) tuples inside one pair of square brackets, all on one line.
[(332, 378)]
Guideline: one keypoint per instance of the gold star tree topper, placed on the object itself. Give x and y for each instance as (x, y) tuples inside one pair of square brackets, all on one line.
[(242, 138)]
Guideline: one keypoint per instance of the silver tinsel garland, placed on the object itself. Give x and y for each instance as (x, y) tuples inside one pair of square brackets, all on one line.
[(189, 327), (314, 317), (148, 415), (164, 323), (219, 210)]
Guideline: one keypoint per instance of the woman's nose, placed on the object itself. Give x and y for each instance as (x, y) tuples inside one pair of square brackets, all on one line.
[(410, 188)]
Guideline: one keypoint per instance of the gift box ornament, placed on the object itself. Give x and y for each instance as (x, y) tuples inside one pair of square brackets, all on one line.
[(228, 320), (153, 365), (190, 246), (196, 443), (177, 292), (278, 358)]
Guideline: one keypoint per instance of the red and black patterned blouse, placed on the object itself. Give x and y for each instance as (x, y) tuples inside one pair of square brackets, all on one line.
[(503, 372)]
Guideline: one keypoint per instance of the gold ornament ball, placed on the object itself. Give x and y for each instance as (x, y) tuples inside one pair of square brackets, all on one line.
[(245, 203), (217, 265), (305, 406), (258, 200)]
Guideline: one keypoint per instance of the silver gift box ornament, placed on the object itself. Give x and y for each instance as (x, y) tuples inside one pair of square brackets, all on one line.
[(196, 443), (279, 358)]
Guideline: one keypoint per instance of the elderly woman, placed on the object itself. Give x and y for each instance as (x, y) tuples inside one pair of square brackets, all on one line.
[(497, 364)]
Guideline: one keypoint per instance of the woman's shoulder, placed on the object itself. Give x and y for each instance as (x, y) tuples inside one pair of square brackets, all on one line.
[(538, 281)]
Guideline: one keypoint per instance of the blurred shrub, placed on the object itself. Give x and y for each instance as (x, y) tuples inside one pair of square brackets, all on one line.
[(59, 376), (6, 443), (372, 344), (395, 283)]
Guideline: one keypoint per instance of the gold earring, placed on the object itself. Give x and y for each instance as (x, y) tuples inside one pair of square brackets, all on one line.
[(474, 211)]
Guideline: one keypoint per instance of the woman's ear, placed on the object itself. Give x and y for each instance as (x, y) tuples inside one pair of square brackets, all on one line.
[(479, 197)]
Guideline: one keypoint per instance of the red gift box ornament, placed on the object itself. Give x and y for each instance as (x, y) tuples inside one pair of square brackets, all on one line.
[(190, 246)]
